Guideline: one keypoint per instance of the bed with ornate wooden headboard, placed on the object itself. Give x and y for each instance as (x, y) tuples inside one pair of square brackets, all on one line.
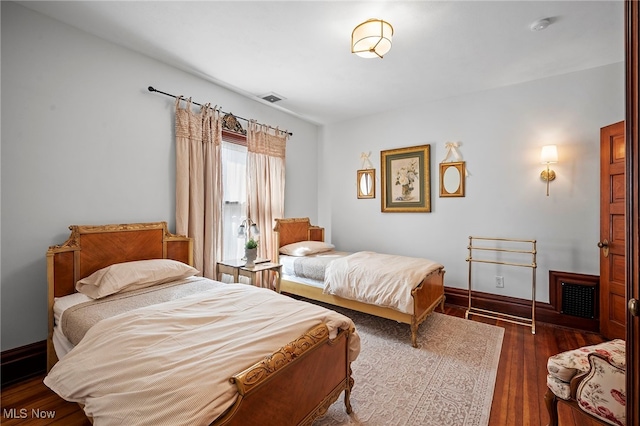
[(93, 247), (426, 295), (275, 389)]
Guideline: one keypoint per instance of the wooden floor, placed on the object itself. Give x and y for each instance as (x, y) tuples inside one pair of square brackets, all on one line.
[(518, 396)]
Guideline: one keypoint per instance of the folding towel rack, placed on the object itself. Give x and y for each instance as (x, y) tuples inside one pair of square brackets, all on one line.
[(518, 249)]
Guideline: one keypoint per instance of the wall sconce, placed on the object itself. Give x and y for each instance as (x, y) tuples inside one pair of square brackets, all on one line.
[(372, 38), (548, 155)]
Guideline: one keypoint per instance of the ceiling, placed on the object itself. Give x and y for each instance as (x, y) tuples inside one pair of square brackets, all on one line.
[(300, 50)]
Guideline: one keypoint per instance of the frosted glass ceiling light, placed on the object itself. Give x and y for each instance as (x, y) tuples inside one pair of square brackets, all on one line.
[(372, 38)]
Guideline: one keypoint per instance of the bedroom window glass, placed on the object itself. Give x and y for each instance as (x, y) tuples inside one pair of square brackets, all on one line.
[(234, 192)]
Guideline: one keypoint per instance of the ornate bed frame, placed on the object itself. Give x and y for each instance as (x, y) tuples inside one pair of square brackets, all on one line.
[(426, 296), (274, 389)]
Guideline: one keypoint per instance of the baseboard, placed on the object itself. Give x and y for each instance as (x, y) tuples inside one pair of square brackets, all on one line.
[(23, 363), (545, 312)]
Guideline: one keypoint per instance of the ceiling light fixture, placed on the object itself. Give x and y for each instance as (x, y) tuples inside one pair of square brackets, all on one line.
[(372, 38)]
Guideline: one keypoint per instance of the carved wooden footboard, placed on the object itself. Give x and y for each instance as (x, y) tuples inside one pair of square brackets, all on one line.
[(294, 385), (276, 390), (426, 296)]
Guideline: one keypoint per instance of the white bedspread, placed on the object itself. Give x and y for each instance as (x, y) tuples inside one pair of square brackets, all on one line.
[(379, 279), (170, 363)]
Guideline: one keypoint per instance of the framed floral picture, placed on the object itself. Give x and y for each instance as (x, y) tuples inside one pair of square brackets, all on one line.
[(406, 175)]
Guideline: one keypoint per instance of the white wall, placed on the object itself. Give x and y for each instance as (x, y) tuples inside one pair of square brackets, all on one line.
[(84, 142), (501, 132)]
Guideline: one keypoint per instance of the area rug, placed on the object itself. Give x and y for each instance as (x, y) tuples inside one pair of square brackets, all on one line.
[(448, 380)]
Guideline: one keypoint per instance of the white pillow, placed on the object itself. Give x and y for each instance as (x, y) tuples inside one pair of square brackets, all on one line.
[(306, 248), (129, 276)]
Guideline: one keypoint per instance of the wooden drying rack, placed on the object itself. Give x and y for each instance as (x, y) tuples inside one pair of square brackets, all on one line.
[(529, 322)]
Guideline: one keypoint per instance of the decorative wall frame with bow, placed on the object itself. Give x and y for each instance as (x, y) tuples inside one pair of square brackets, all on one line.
[(452, 173), (366, 178)]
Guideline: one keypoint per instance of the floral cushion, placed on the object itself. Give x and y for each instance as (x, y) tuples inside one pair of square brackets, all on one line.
[(565, 365), (558, 387), (602, 392)]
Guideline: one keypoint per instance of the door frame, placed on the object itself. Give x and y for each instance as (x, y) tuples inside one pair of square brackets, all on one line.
[(632, 52)]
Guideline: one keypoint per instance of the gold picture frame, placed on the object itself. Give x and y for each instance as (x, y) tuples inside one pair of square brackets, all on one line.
[(366, 183), (452, 179), (406, 174)]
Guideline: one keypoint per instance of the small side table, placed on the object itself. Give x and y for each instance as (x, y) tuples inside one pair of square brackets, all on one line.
[(236, 268)]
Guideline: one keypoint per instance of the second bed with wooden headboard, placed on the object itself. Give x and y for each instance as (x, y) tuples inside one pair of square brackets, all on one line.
[(310, 266)]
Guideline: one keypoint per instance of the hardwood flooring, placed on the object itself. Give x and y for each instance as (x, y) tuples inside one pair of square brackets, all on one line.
[(521, 382), (518, 396)]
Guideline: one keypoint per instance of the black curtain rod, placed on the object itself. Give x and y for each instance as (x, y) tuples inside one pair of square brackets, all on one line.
[(152, 89)]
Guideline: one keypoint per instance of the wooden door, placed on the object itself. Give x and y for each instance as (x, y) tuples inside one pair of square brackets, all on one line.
[(613, 301)]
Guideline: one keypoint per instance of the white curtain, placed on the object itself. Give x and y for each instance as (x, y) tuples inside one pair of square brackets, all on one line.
[(266, 171), (234, 190), (199, 183)]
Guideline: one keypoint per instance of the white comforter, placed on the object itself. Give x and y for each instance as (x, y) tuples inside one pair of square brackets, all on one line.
[(170, 363), (379, 279)]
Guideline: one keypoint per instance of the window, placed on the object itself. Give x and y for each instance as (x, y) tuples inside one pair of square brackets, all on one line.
[(234, 193)]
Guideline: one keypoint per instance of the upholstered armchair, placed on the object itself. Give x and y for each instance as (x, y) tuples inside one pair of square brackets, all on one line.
[(591, 378)]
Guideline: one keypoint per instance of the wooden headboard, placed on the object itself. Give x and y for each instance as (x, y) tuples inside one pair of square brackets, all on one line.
[(293, 230), (93, 247)]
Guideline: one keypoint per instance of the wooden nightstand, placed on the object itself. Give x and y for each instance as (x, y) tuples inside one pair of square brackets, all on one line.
[(236, 269)]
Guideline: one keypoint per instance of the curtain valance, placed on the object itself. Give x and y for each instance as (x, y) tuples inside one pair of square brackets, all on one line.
[(262, 141)]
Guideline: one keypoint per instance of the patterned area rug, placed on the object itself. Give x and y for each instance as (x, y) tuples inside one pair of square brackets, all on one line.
[(448, 380)]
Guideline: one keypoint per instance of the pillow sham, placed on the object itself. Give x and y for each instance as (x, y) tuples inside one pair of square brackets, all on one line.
[(306, 248), (129, 276)]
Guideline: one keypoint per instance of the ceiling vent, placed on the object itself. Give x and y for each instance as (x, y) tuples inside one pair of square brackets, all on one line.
[(272, 97)]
